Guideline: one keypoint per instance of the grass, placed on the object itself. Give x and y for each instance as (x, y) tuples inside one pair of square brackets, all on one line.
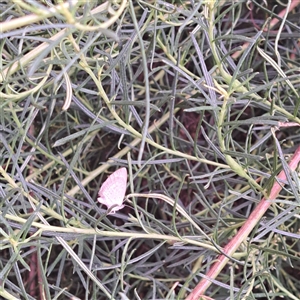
[(199, 101)]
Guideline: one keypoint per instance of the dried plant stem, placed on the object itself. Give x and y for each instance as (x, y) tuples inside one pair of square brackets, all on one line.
[(245, 230)]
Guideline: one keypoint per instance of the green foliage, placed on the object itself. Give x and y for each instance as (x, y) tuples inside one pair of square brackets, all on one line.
[(200, 101)]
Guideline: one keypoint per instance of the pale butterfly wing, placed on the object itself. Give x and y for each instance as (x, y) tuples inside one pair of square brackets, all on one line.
[(112, 191)]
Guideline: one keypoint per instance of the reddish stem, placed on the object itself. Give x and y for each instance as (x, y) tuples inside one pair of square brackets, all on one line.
[(273, 22), (245, 230)]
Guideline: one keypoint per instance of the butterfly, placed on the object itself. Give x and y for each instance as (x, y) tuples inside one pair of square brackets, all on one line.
[(112, 191)]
